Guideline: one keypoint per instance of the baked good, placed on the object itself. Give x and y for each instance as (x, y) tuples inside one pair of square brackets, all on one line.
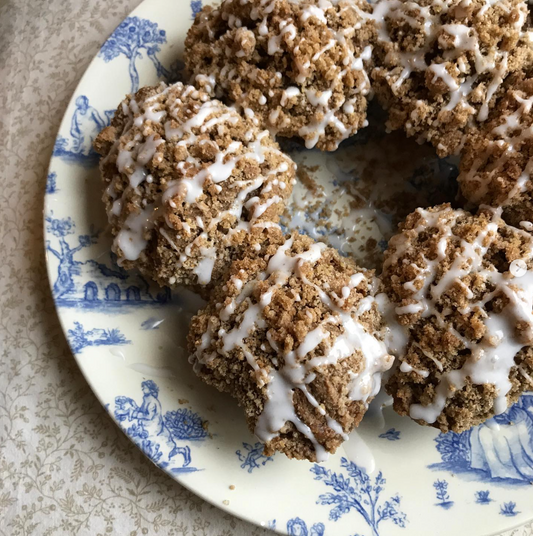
[(300, 67), (186, 179), (439, 64), (295, 335), (497, 160), (462, 286)]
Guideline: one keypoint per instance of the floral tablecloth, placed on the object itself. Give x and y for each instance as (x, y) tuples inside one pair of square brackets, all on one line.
[(65, 468)]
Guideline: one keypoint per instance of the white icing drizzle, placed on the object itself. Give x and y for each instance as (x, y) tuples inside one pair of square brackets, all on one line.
[(132, 158), (491, 358), (507, 138), (298, 373), (278, 36), (464, 40)]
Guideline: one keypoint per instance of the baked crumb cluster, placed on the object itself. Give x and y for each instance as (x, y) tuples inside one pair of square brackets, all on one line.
[(185, 179), (296, 337), (462, 286), (300, 67), (497, 161), (441, 63), (299, 335)]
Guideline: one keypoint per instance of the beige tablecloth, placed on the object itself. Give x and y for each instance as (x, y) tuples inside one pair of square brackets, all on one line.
[(65, 468)]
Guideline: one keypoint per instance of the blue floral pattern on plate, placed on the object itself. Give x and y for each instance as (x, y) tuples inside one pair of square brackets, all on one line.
[(362, 496)]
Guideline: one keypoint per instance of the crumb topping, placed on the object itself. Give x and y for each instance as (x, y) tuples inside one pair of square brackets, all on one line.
[(185, 177), (296, 336), (300, 67)]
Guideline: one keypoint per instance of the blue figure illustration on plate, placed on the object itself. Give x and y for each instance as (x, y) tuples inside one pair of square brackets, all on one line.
[(85, 125), (252, 456), (500, 450), (360, 494), (159, 435), (132, 36), (92, 284), (81, 338), (298, 527), (441, 491)]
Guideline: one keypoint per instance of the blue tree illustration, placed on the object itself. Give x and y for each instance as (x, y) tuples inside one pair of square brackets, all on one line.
[(361, 496), (508, 509), (80, 338), (454, 449), (483, 497), (391, 435), (185, 424), (441, 487), (253, 456), (51, 187), (196, 7), (131, 37), (68, 267)]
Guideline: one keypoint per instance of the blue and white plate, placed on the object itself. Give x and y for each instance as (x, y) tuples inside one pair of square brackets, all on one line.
[(128, 335)]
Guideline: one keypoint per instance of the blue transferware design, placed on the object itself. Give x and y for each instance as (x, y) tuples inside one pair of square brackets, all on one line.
[(158, 435), (85, 125), (362, 496), (252, 456), (196, 7), (51, 187), (94, 284), (508, 509), (298, 527), (483, 497), (500, 450), (391, 434), (81, 338), (132, 36), (441, 487)]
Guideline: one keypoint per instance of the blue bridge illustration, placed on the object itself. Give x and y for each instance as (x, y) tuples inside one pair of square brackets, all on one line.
[(161, 436), (498, 451), (94, 284)]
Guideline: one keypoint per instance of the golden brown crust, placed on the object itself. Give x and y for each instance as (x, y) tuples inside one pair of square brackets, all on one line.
[(207, 176), (295, 309), (440, 65), (444, 310), (299, 66), (497, 160)]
